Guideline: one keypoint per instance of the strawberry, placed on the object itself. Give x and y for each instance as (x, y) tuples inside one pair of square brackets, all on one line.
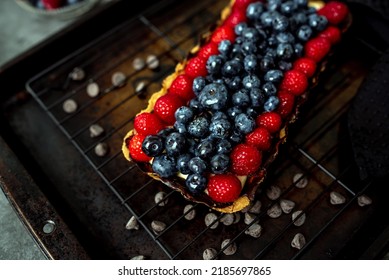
[(207, 50), (241, 4), (334, 11), (306, 65), (166, 106), (286, 103), (224, 188), (260, 138), (224, 32), (270, 120), (294, 82), (235, 17), (332, 34), (147, 123), (317, 48), (52, 4), (196, 66), (182, 87), (245, 159), (135, 148)]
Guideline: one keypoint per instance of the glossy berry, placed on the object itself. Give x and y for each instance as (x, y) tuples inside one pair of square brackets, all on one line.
[(224, 188), (286, 104), (199, 127), (270, 120), (135, 148), (254, 11), (164, 166), (183, 163), (197, 165), (304, 33), (294, 82), (335, 12), (305, 65), (220, 128), (271, 104), (166, 106), (196, 66), (257, 97), (214, 96), (184, 114), (245, 159), (241, 4), (274, 76), (223, 146), (219, 163), (207, 50), (52, 4), (198, 84), (317, 22), (182, 87), (241, 98), (175, 144), (153, 145), (224, 32), (317, 48), (259, 138), (225, 47), (332, 34), (236, 16), (147, 123), (239, 28), (196, 183), (232, 68), (214, 64), (205, 149), (244, 123)]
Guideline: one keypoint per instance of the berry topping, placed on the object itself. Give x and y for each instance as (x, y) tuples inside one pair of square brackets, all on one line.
[(235, 17), (270, 120), (182, 87), (196, 183), (164, 166), (135, 148), (196, 66), (317, 48), (224, 32), (214, 96), (305, 65), (334, 11), (332, 34), (242, 4), (166, 106), (207, 50), (294, 82), (152, 145), (224, 188), (52, 4), (245, 159), (286, 103), (259, 138), (147, 123)]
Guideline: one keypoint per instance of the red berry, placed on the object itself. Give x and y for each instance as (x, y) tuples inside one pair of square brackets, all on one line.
[(182, 86), (166, 106), (305, 65), (270, 120), (286, 103), (224, 32), (334, 11), (52, 4), (147, 123), (207, 50), (196, 66), (242, 4), (245, 159), (235, 17), (332, 34), (317, 48), (224, 188), (260, 138), (294, 82), (135, 148)]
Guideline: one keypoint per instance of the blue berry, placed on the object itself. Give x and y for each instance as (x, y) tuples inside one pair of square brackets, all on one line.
[(214, 64), (198, 127), (219, 163), (269, 89), (251, 112), (233, 83), (257, 97), (225, 47), (195, 105), (301, 3), (244, 123), (317, 22), (236, 137), (220, 128), (165, 132), (180, 127), (285, 65), (274, 76), (184, 114), (280, 23), (300, 18), (219, 115), (288, 8), (250, 63), (183, 163), (223, 146), (241, 98), (304, 32), (232, 68), (152, 145), (197, 165), (285, 37), (205, 149), (196, 183), (251, 81), (274, 5), (175, 143), (251, 34), (298, 49), (198, 84), (285, 51), (214, 96), (249, 47), (232, 112), (239, 28), (267, 63), (271, 104), (164, 166), (254, 11)]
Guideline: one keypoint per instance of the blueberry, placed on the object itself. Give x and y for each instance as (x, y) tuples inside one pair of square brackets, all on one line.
[(152, 145), (298, 50), (252, 112), (285, 37), (180, 127), (184, 114), (267, 63), (191, 144), (220, 128), (198, 84), (285, 65), (205, 149), (249, 47), (269, 89), (236, 137), (257, 97), (225, 47), (273, 5), (214, 64), (223, 146), (165, 132), (241, 98), (219, 115), (250, 63), (251, 34), (175, 143), (254, 11), (231, 68), (251, 81), (288, 8), (164, 166), (300, 18), (183, 163), (236, 51), (196, 183), (271, 104), (274, 76), (219, 163), (272, 41), (239, 28), (198, 127), (233, 112), (301, 3), (233, 83), (304, 32), (244, 123), (280, 23), (214, 96), (317, 22), (285, 51), (197, 165)]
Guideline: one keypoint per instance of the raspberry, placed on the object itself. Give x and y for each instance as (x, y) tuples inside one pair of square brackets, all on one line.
[(317, 48), (207, 50), (147, 123), (166, 106), (224, 188), (286, 103), (182, 87), (334, 11), (135, 148), (242, 4), (332, 34), (52, 4), (235, 17), (305, 65), (245, 159), (294, 82), (223, 32), (196, 66), (270, 120), (259, 138)]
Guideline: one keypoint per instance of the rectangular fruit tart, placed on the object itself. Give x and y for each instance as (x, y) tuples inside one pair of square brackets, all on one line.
[(216, 124)]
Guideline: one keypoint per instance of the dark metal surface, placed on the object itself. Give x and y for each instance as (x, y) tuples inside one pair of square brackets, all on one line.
[(96, 196)]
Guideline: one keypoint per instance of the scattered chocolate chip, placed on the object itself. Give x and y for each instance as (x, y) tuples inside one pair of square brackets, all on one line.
[(191, 214), (140, 87), (138, 63), (298, 241), (138, 258), (287, 205), (152, 62), (237, 217), (230, 249), (273, 192), (248, 218), (101, 149), (300, 181), (159, 198), (209, 254), (364, 200), (95, 130), (255, 230), (93, 89), (69, 106), (227, 219), (132, 223), (77, 74), (209, 219), (256, 207), (118, 79), (336, 198), (298, 218), (274, 211), (158, 226)]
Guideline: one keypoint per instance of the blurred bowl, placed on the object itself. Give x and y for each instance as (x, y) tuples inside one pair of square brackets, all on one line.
[(64, 12)]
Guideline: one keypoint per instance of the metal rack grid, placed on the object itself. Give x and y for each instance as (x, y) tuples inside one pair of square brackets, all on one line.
[(314, 148)]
